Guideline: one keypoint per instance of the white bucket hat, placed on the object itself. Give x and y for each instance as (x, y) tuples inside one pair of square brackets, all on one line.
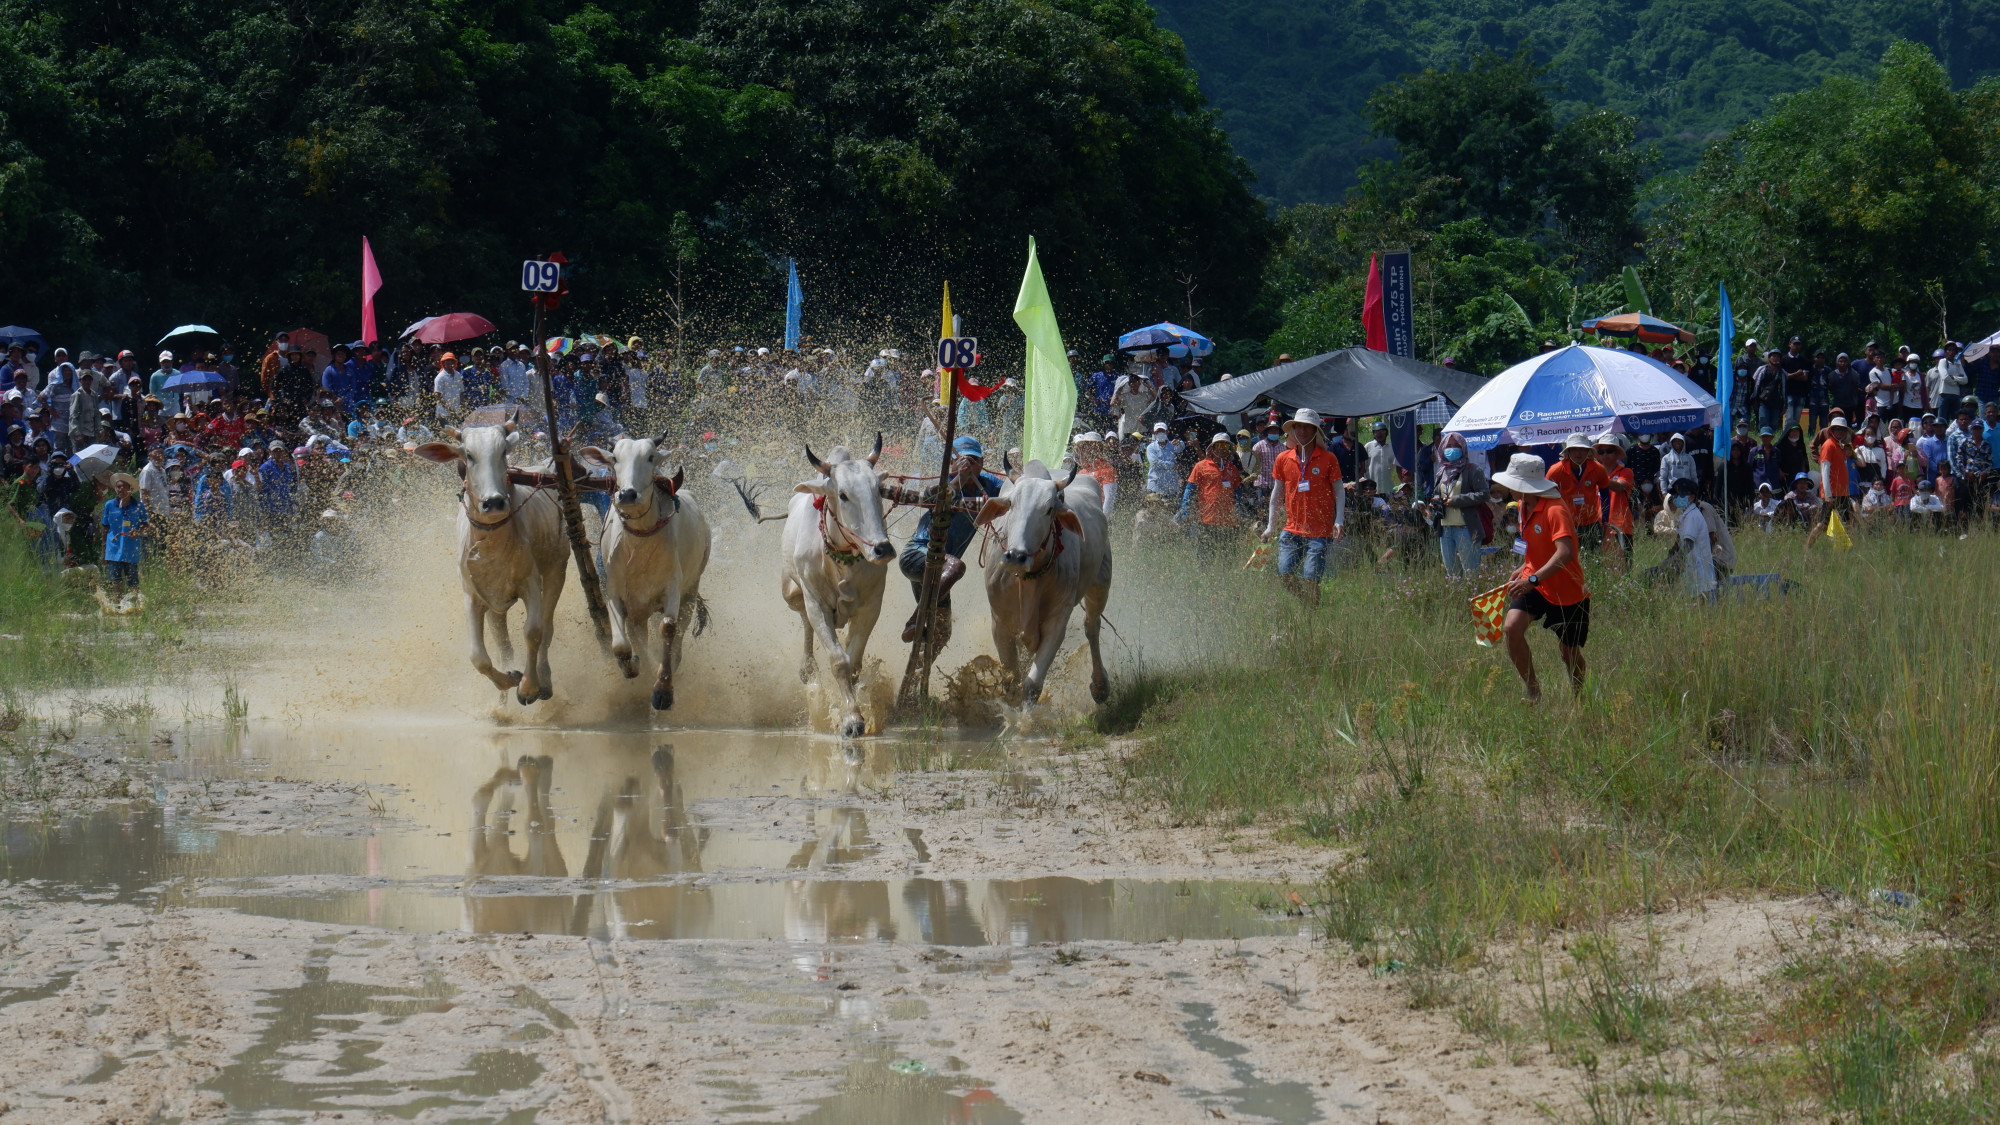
[(1087, 436), (1222, 438), (1305, 417), (1526, 473), (1616, 441), (1577, 440)]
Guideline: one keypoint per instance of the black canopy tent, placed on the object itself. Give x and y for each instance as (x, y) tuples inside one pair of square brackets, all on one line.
[(1348, 383)]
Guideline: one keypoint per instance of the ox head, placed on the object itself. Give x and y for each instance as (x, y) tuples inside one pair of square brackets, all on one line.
[(1033, 504), (849, 489), (636, 464), (481, 455)]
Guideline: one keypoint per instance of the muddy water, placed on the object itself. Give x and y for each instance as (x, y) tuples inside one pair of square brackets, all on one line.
[(715, 842), (629, 835)]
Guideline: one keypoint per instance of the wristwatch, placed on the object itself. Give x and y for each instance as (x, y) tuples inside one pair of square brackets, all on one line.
[(1534, 579)]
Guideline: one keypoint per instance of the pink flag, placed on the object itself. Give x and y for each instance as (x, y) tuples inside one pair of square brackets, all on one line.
[(371, 281)]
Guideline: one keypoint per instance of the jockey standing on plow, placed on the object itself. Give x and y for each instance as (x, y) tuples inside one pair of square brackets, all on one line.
[(969, 482)]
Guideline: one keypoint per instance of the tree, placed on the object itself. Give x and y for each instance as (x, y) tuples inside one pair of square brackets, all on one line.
[(1855, 204)]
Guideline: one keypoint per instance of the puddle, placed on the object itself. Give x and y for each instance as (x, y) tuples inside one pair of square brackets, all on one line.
[(1288, 1103), (711, 835), (882, 1088)]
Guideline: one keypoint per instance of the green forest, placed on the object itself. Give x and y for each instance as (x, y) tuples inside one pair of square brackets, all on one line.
[(1837, 163), (1292, 78), (220, 160)]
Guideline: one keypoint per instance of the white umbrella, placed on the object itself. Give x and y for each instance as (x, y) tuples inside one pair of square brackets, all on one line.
[(1582, 388), (1979, 348), (94, 459)]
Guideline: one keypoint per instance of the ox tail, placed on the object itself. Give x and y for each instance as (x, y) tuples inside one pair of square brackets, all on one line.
[(700, 614), (749, 494)]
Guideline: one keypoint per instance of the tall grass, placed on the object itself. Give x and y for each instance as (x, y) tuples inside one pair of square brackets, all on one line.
[(53, 635), (1839, 735)]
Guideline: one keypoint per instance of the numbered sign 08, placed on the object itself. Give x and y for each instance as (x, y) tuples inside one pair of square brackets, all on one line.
[(958, 351), (541, 277)]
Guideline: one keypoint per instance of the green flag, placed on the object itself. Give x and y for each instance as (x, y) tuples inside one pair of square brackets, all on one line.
[(1051, 392)]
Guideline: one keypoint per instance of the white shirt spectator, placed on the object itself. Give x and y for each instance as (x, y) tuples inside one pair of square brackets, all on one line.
[(449, 387), (1695, 548), (1927, 502), (153, 489), (514, 380)]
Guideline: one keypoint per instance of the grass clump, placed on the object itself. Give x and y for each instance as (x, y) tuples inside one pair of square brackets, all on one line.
[(1835, 738)]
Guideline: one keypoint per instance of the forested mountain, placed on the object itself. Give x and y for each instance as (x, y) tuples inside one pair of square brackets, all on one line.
[(219, 160), (1292, 77)]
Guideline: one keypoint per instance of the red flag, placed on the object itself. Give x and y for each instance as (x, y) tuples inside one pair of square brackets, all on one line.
[(371, 283), (1372, 321), (968, 389)]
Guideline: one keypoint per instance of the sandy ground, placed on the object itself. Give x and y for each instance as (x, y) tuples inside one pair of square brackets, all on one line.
[(126, 1008)]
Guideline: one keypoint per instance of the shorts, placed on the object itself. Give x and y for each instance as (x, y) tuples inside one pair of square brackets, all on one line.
[(1619, 539), (911, 563), (1300, 553), (1570, 623), (1590, 535)]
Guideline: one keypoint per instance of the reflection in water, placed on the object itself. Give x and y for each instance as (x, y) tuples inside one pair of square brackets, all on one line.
[(493, 852), (598, 833), (650, 839)]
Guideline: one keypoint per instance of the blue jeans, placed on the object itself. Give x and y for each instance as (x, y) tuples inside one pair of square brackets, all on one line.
[(1772, 415), (118, 571), (1461, 550), (1290, 549)]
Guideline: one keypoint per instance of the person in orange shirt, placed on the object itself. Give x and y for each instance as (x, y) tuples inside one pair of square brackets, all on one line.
[(1091, 459), (1833, 467), (1581, 480), (1211, 490), (1610, 451), (1307, 484), (1549, 586)]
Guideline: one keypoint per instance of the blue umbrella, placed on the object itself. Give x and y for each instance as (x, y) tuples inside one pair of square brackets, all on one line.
[(190, 330), (1582, 389), (194, 379), (1165, 333), (15, 334)]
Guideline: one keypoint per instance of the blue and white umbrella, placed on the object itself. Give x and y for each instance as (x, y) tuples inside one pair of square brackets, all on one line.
[(1164, 334), (1586, 389)]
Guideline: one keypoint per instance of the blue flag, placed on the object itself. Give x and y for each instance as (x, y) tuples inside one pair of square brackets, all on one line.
[(795, 304), (1725, 375)]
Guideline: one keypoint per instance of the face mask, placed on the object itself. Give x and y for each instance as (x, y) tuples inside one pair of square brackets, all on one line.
[(1682, 501), (1454, 454)]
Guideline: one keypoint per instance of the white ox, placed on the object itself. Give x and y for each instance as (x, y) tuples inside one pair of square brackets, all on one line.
[(655, 550), (835, 551), (511, 547), (1056, 552)]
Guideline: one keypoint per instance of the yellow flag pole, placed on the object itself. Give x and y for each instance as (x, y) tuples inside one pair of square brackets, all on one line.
[(932, 634)]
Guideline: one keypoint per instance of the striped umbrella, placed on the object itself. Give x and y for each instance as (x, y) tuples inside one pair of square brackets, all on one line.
[(1646, 329)]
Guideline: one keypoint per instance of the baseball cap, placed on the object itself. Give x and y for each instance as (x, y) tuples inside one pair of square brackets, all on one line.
[(1159, 427), (967, 445)]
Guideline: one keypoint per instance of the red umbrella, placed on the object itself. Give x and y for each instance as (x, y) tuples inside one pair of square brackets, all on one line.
[(453, 326)]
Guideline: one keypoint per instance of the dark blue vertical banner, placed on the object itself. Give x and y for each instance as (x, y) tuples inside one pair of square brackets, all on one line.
[(1398, 303), (1399, 317)]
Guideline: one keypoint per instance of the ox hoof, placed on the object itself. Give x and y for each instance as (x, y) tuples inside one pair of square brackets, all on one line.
[(513, 680), (626, 666), (853, 728), (525, 699), (663, 699), (1100, 691), (548, 692)]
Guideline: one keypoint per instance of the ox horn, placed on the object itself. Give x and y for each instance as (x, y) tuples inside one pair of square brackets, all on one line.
[(877, 455), (1006, 466), (815, 462), (660, 440), (1073, 470), (680, 476)]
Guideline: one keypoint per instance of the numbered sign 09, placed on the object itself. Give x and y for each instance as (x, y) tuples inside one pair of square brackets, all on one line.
[(541, 277), (958, 351)]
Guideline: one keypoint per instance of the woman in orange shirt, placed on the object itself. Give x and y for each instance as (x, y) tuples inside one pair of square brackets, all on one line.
[(1091, 459), (1549, 586), (1610, 451)]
